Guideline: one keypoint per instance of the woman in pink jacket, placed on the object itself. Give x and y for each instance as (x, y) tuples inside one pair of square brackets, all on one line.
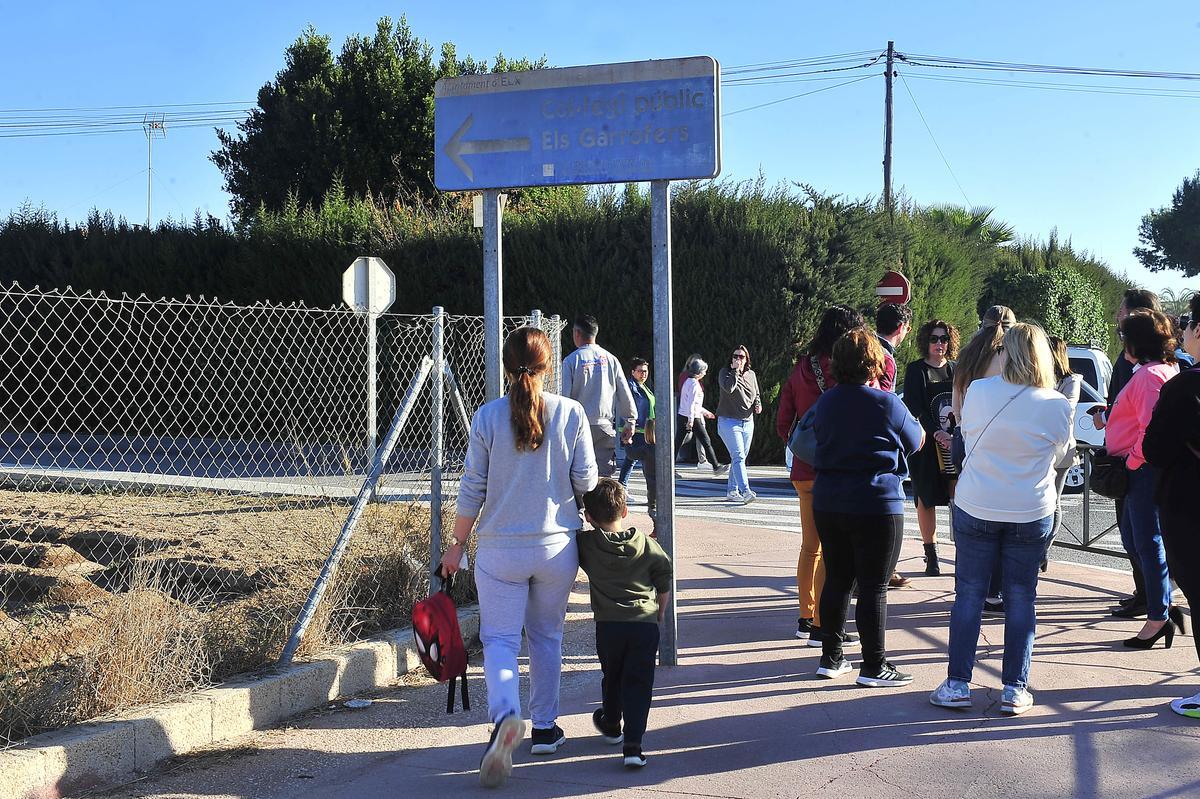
[(1150, 346)]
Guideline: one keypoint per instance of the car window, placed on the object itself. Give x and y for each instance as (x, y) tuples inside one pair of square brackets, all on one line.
[(1085, 368), (1088, 394)]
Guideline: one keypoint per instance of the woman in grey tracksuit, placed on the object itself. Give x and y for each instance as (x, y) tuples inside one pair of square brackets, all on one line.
[(529, 456)]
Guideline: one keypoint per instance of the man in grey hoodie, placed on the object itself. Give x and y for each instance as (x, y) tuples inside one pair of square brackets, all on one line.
[(592, 376)]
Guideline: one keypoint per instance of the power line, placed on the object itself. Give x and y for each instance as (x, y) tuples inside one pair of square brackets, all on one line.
[(767, 79), (934, 139), (1177, 94), (791, 63), (122, 107), (948, 62), (110, 130), (797, 96)]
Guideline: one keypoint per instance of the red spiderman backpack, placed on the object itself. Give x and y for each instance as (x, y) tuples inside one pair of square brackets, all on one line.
[(440, 643)]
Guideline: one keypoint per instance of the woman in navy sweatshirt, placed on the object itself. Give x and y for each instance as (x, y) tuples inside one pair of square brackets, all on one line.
[(864, 437)]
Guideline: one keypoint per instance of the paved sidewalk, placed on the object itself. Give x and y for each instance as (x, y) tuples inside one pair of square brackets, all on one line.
[(744, 716)]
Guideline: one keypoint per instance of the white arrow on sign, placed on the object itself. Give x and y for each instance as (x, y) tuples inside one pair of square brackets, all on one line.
[(456, 148)]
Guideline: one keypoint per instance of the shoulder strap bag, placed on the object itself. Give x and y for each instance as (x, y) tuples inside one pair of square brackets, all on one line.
[(967, 455), (802, 440)]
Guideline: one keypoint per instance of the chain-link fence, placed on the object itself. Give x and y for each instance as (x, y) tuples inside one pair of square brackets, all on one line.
[(173, 474)]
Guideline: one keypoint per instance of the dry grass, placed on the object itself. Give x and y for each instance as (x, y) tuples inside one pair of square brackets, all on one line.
[(183, 591)]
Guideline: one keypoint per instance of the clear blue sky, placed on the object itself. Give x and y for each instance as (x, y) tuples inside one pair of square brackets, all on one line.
[(1087, 163)]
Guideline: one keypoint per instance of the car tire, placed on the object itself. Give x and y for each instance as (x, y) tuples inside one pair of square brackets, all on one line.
[(1074, 484)]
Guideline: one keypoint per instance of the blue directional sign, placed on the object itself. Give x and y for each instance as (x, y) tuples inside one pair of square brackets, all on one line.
[(612, 123)]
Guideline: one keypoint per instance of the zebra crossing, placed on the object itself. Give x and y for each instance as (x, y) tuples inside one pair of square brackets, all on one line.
[(699, 494)]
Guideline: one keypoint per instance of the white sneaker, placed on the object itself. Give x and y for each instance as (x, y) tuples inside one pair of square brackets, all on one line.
[(832, 669), (733, 496), (951, 693), (1189, 706), (749, 497), (1015, 701), (633, 499), (497, 758)]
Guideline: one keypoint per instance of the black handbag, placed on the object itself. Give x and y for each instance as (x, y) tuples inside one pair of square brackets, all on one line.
[(1109, 477), (958, 448)]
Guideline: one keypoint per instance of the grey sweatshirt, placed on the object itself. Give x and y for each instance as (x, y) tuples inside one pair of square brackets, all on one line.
[(594, 377), (527, 498), (739, 392)]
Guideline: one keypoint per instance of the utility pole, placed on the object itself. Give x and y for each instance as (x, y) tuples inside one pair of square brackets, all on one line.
[(155, 125), (887, 132)]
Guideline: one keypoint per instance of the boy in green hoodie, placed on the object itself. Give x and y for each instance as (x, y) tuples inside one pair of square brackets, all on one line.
[(630, 578)]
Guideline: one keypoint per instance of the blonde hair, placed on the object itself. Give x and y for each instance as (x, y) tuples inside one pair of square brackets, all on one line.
[(1028, 360), (976, 357)]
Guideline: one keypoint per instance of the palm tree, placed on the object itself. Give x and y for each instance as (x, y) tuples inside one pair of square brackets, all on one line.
[(1176, 303), (974, 224)]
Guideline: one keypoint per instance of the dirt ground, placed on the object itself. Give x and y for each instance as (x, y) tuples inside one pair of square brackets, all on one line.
[(196, 586)]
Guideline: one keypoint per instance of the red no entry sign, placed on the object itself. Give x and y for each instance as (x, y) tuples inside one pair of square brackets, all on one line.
[(893, 289)]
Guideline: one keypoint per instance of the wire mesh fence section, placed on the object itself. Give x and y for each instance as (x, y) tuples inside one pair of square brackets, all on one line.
[(172, 476)]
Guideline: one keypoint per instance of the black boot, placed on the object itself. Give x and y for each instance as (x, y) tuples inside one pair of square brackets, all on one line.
[(932, 568)]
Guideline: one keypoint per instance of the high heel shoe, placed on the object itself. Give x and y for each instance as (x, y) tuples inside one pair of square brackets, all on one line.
[(1176, 616), (1166, 631)]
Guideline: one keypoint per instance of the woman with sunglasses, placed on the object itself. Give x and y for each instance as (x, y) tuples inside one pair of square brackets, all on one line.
[(928, 393), (740, 400)]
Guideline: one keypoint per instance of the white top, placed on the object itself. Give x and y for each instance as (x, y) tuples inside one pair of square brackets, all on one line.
[(1008, 475), (527, 498), (691, 399)]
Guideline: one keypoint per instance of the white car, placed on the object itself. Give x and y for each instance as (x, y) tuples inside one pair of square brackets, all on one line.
[(1092, 364)]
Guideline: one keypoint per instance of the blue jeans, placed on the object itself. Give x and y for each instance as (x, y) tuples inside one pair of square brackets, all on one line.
[(737, 433), (1142, 538), (982, 546)]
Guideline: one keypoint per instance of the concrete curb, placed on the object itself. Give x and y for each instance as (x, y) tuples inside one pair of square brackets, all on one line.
[(106, 752)]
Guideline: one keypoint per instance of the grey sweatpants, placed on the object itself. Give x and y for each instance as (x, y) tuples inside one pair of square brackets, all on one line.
[(604, 444), (524, 587)]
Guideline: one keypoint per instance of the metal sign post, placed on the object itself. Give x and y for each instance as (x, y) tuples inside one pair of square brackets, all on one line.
[(654, 121), (664, 405), (369, 287), (493, 291)]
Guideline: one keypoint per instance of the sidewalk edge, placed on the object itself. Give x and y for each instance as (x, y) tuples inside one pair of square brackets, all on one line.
[(100, 753)]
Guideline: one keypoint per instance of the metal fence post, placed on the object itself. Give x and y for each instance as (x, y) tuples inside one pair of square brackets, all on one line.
[(365, 495), (535, 319), (1087, 497), (556, 348), (435, 446)]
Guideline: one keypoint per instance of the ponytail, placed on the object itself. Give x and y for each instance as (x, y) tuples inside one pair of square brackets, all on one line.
[(527, 360), (976, 357)]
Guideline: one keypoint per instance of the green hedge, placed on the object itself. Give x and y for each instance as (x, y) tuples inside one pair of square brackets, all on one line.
[(753, 265)]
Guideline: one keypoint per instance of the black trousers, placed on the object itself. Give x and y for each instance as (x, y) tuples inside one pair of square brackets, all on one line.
[(699, 432), (865, 548), (1183, 557), (627, 650)]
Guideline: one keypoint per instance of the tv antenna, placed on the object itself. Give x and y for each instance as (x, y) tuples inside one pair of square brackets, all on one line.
[(155, 125)]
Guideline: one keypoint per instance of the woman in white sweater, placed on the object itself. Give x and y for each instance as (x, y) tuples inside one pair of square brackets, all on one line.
[(529, 456), (1016, 428)]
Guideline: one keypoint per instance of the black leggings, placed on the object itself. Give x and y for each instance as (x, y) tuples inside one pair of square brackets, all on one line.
[(862, 547), (1183, 557), (700, 432)]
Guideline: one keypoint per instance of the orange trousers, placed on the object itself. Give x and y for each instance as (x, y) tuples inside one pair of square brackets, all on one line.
[(810, 568)]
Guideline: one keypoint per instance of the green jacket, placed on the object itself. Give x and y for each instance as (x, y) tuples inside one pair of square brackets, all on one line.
[(627, 571)]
